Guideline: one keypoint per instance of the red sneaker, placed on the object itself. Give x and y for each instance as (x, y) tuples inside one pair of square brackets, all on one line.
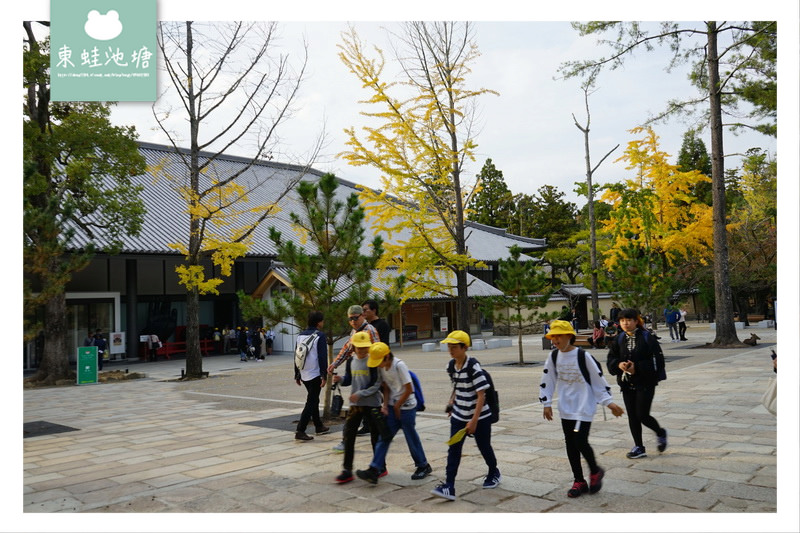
[(596, 481), (578, 488)]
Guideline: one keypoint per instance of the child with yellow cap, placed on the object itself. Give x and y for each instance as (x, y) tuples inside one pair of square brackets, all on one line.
[(468, 411), (365, 401), (400, 410), (581, 386)]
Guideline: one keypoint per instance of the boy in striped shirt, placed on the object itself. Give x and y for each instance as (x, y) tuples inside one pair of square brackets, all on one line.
[(468, 410)]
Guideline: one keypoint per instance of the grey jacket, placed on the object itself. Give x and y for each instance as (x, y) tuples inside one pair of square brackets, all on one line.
[(364, 382)]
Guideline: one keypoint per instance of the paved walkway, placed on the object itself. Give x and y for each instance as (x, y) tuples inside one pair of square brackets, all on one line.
[(225, 445)]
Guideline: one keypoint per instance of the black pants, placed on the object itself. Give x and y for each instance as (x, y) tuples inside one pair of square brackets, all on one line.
[(637, 404), (578, 444), (377, 428), (682, 330), (311, 409)]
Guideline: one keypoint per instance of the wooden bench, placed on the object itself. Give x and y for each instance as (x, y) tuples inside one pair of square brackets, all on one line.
[(582, 339), (755, 318)]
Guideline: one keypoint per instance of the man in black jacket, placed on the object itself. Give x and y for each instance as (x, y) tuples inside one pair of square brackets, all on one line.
[(370, 308)]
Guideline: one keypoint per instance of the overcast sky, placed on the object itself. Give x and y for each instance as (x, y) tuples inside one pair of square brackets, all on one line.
[(527, 129)]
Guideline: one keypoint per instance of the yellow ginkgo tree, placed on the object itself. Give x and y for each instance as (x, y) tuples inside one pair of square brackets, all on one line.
[(236, 92), (656, 227), (421, 141)]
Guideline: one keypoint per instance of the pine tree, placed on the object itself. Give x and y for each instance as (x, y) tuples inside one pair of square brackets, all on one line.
[(493, 204), (525, 289), (329, 271)]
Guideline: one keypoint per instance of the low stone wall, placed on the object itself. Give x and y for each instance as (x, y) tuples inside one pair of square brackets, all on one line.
[(502, 330)]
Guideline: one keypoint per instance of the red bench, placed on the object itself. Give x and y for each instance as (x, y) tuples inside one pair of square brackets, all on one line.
[(169, 348)]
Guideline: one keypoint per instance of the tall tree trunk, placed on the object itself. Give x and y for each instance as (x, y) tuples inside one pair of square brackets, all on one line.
[(55, 361), (519, 336), (725, 328), (462, 301), (194, 359)]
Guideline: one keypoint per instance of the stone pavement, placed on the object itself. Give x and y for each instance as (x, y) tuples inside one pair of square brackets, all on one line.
[(226, 445)]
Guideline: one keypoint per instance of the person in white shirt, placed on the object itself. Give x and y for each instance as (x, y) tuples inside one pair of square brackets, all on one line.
[(682, 324), (312, 375), (581, 386)]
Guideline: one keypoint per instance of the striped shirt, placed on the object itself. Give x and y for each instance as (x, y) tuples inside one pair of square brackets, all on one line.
[(466, 390)]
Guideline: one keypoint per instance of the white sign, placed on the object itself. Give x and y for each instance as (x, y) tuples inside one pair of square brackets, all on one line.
[(443, 323), (116, 342)]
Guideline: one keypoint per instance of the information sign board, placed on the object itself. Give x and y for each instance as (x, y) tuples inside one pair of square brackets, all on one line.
[(87, 365)]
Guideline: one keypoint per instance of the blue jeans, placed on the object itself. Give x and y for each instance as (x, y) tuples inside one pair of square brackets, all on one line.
[(483, 438), (408, 423), (673, 331)]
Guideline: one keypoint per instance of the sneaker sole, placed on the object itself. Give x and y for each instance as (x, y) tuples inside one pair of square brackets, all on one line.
[(445, 496), (636, 456), (341, 481)]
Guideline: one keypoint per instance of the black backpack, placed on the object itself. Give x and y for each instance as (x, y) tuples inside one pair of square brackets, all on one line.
[(491, 395)]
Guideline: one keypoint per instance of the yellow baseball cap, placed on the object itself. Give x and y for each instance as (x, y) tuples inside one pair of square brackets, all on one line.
[(457, 337), (361, 339), (377, 352), (560, 327)]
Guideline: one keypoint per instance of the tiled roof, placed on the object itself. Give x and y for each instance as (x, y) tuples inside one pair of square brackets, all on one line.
[(380, 283), (166, 221)]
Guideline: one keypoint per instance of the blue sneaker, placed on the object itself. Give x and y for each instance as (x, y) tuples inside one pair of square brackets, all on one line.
[(636, 453), (492, 480), (448, 492), (662, 441)]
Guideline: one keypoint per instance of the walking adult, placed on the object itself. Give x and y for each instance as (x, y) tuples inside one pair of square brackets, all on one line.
[(355, 315), (312, 375), (101, 344), (370, 309), (153, 344), (256, 341), (241, 343), (682, 324), (269, 339), (635, 357), (217, 337), (671, 316)]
